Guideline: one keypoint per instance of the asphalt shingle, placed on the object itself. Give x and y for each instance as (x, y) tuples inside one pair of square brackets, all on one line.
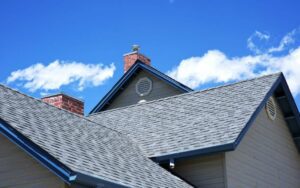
[(81, 144), (191, 121)]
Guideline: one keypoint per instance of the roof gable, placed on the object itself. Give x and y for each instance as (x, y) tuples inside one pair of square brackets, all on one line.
[(127, 78), (281, 92), (200, 122)]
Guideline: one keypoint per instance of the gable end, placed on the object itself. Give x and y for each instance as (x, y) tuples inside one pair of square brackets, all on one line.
[(281, 92), (119, 86)]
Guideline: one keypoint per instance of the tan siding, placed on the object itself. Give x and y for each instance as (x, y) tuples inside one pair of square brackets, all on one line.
[(18, 169), (204, 172), (266, 157), (128, 96)]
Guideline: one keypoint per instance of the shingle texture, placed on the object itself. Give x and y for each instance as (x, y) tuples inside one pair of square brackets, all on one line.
[(192, 121), (82, 145)]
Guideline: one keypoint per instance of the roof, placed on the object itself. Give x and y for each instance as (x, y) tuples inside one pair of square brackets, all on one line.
[(75, 148), (138, 65), (199, 122)]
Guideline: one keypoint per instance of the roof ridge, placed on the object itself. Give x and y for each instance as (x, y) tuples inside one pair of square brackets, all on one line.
[(76, 115), (184, 94), (36, 99), (63, 110)]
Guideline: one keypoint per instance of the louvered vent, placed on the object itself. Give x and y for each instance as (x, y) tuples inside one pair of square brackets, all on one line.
[(143, 87), (271, 108)]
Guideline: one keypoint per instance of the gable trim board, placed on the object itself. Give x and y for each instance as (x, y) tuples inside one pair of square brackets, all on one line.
[(292, 118), (125, 78), (44, 158)]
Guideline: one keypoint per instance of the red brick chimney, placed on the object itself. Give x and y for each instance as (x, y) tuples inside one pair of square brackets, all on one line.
[(130, 58), (65, 102)]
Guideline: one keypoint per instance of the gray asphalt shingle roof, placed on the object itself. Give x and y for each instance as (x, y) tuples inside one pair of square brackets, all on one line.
[(191, 121), (82, 145)]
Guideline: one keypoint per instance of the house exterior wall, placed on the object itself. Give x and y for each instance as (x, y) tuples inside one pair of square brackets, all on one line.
[(266, 157), (20, 170), (204, 172), (129, 96)]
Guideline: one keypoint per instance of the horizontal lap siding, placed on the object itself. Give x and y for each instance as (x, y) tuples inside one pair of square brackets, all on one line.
[(204, 172), (266, 157), (18, 169), (128, 96)]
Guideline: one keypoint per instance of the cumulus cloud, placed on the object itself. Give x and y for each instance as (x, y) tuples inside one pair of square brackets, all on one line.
[(215, 67), (60, 73)]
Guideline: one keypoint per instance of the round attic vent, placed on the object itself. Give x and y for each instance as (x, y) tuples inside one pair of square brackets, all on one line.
[(143, 87), (271, 108)]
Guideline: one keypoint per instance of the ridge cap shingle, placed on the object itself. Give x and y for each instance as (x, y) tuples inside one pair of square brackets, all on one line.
[(184, 94)]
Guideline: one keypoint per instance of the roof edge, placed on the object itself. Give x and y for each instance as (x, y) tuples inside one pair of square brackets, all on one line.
[(258, 110), (44, 158), (295, 131), (197, 152), (93, 181)]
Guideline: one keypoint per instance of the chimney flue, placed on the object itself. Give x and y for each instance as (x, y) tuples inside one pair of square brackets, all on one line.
[(132, 57), (65, 102)]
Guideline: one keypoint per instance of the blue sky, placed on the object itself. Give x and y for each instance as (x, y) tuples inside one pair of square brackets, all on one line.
[(218, 41)]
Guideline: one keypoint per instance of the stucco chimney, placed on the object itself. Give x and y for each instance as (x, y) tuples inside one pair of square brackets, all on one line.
[(132, 57), (66, 102)]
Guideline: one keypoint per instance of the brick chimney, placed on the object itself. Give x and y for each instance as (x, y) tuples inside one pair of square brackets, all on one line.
[(132, 57), (66, 102)]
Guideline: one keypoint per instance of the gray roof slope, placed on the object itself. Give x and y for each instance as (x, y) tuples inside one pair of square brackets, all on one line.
[(191, 121), (82, 145)]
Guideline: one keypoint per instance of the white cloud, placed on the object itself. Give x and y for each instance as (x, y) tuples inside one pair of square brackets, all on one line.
[(285, 41), (256, 35), (216, 67), (61, 73), (258, 39)]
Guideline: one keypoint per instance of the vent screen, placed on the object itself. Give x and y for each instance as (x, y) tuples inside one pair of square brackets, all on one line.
[(271, 108), (143, 87)]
